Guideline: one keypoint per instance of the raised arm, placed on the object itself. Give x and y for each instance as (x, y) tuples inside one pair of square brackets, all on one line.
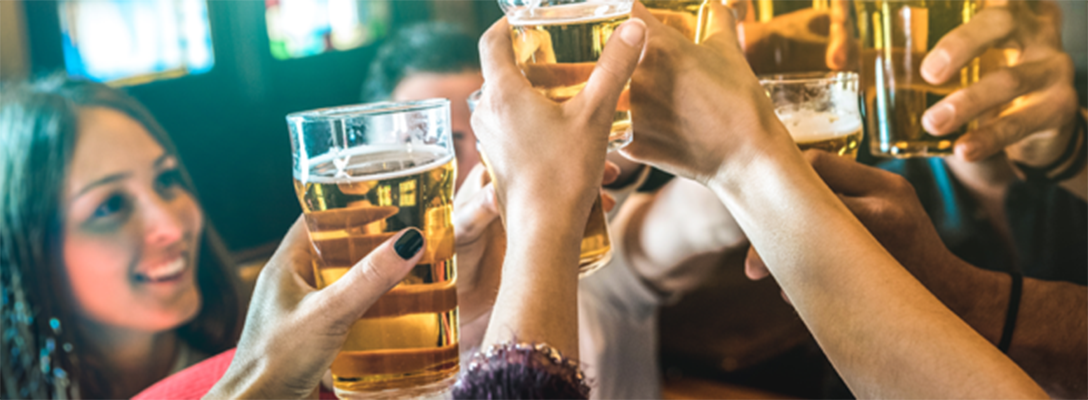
[(1049, 336), (546, 161), (881, 329)]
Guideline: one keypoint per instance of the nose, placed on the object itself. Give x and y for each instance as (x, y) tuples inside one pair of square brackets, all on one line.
[(163, 222)]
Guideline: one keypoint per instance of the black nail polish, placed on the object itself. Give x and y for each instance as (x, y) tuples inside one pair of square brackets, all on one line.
[(409, 244)]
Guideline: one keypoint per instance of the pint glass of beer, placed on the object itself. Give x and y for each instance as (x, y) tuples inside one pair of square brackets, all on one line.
[(819, 109), (596, 241), (792, 36), (557, 44), (687, 16), (896, 36), (363, 173)]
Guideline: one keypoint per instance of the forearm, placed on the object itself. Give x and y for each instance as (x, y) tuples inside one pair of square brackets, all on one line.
[(538, 297), (876, 323), (1050, 340)]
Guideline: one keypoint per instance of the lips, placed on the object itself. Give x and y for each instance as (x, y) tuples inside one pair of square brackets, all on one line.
[(165, 272)]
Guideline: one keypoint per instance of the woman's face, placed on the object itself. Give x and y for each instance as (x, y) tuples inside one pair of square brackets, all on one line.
[(131, 231)]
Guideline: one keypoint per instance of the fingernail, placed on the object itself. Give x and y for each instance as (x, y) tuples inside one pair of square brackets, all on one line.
[(409, 244), (937, 117), (934, 65), (633, 32)]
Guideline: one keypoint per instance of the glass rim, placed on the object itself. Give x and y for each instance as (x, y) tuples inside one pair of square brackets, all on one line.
[(808, 78), (367, 109), (474, 98)]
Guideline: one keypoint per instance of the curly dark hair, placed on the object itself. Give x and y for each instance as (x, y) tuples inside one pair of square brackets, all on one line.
[(435, 47), (43, 354)]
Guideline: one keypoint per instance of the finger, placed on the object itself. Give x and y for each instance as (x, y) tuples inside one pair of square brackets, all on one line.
[(993, 90), (754, 267), (739, 7), (1048, 110), (470, 220), (293, 254), (607, 201), (721, 29), (966, 42), (497, 60), (611, 172), (613, 71), (839, 40), (846, 176), (347, 299)]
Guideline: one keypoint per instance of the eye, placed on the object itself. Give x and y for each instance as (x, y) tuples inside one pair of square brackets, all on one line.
[(167, 180), (112, 206)]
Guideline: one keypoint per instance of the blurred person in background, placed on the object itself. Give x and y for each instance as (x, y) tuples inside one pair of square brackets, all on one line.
[(426, 61), (112, 277)]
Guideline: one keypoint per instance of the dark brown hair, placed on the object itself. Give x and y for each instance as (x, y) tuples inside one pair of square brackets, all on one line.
[(43, 354)]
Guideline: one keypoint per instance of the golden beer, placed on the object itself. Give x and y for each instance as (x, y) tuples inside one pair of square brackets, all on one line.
[(689, 17), (557, 47), (825, 131), (896, 36), (354, 202)]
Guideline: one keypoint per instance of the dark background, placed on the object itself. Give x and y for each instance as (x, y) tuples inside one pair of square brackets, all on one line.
[(229, 123)]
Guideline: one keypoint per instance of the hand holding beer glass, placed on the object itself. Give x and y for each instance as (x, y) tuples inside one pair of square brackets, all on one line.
[(557, 47), (819, 109), (689, 17), (896, 36), (363, 173)]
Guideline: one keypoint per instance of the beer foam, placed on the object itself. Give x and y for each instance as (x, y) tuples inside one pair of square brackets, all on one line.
[(372, 163), (567, 14), (808, 126)]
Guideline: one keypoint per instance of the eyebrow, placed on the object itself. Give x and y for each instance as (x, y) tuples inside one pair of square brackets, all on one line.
[(119, 177)]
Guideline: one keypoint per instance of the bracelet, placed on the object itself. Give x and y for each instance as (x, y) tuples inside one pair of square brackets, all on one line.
[(1042, 174), (521, 370), (1014, 309)]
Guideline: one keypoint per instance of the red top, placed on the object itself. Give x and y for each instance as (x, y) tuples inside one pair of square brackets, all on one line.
[(194, 382)]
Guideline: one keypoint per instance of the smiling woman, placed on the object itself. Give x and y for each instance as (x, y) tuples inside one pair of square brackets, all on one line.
[(111, 277)]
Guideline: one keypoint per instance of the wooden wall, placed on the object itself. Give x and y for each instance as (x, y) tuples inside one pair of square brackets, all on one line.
[(13, 47)]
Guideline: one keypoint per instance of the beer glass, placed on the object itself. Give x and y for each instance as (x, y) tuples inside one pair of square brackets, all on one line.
[(557, 44), (363, 173), (596, 241), (896, 36), (791, 36), (821, 110), (689, 17)]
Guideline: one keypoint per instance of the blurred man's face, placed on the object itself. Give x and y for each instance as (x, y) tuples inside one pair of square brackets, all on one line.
[(456, 87)]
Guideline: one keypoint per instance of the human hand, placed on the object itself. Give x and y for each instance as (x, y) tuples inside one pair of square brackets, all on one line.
[(1038, 87), (294, 331), (545, 155), (888, 207), (696, 107)]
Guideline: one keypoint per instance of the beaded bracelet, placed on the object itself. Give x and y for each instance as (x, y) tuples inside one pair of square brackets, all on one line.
[(512, 370)]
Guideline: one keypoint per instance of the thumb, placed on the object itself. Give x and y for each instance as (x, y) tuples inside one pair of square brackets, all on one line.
[(347, 299), (721, 28), (613, 70)]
